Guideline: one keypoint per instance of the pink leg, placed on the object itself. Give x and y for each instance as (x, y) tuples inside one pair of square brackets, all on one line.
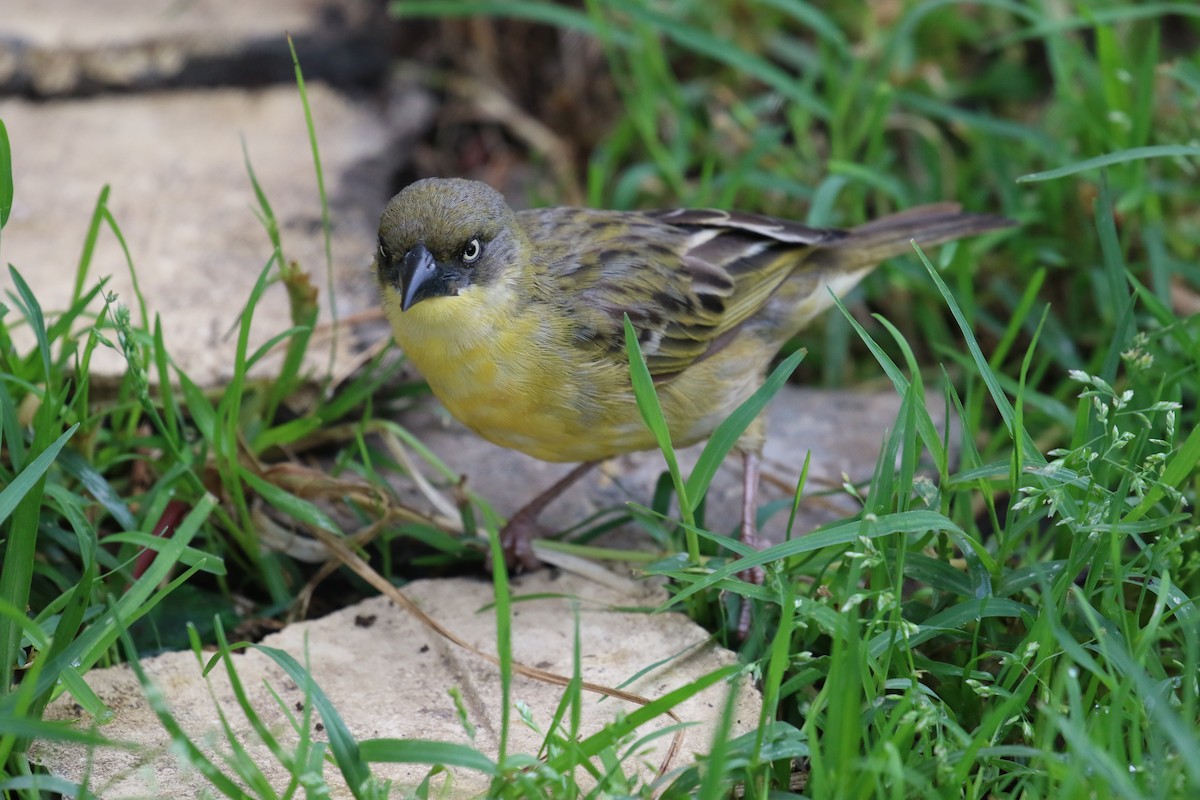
[(516, 538), (751, 462)]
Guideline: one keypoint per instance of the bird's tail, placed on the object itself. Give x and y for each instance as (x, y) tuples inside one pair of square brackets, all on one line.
[(841, 261), (865, 246)]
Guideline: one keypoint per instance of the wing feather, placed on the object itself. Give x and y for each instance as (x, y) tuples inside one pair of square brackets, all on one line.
[(686, 278)]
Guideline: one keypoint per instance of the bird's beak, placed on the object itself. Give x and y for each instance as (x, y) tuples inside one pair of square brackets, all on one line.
[(422, 277)]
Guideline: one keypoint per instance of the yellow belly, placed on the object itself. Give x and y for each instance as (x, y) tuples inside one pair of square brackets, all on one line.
[(515, 381)]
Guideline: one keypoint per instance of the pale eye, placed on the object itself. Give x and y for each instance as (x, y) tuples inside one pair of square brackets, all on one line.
[(472, 252)]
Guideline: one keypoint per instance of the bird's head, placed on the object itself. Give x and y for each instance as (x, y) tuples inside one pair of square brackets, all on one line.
[(442, 236)]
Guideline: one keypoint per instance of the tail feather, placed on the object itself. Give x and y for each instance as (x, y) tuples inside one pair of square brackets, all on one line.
[(868, 244)]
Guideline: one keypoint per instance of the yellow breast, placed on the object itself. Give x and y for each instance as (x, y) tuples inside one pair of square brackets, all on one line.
[(515, 379), (501, 372)]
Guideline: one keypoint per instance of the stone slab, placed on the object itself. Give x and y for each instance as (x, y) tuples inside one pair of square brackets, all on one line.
[(55, 48), (844, 429), (388, 676), (185, 205)]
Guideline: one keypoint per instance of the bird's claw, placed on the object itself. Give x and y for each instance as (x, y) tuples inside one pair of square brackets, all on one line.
[(516, 542), (755, 575)]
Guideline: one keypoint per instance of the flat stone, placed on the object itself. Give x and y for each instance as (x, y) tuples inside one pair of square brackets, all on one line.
[(71, 47), (388, 676), (185, 205), (844, 429)]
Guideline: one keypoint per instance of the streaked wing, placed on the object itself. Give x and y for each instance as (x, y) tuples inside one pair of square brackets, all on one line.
[(779, 230), (686, 278)]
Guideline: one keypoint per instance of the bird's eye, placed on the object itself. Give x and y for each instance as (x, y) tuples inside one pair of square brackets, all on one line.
[(383, 254), (472, 252)]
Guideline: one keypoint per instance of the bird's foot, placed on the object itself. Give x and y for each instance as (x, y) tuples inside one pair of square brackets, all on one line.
[(516, 538), (516, 542), (755, 575)]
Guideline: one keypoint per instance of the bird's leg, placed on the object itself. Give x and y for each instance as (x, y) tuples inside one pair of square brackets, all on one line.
[(750, 445), (516, 537), (751, 463)]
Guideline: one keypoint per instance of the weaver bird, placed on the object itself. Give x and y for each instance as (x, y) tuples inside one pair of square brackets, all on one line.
[(515, 318)]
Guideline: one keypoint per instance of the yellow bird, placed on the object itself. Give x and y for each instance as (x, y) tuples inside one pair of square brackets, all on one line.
[(515, 318)]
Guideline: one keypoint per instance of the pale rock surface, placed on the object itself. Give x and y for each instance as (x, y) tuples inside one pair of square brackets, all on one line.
[(186, 207), (52, 48), (388, 676)]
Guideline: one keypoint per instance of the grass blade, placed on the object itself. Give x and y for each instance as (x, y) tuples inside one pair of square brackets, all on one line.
[(1109, 159), (345, 749), (6, 176)]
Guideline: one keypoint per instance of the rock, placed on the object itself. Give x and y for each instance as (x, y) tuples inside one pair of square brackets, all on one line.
[(185, 205), (73, 47), (388, 676)]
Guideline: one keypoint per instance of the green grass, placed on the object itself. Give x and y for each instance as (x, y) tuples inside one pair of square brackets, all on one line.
[(1012, 617)]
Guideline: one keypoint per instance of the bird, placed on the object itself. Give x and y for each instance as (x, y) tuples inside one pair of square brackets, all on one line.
[(516, 318)]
